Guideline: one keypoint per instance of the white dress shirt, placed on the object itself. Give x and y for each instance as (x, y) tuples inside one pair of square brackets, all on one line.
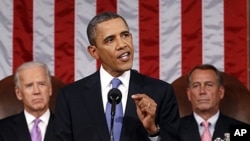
[(212, 121), (123, 87), (42, 125), (106, 86)]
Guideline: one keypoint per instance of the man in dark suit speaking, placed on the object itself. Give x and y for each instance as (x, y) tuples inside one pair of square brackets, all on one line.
[(205, 90), (148, 106)]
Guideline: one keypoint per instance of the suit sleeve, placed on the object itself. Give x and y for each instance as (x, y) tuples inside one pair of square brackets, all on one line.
[(62, 124), (169, 117)]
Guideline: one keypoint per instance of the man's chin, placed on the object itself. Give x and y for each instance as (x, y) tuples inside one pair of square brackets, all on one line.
[(39, 106), (126, 66), (204, 107)]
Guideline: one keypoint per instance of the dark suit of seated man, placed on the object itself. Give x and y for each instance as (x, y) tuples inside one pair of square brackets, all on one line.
[(33, 87), (205, 90)]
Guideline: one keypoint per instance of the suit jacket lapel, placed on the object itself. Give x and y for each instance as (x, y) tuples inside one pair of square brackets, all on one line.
[(220, 125), (191, 129), (21, 128), (131, 121), (93, 96), (48, 135)]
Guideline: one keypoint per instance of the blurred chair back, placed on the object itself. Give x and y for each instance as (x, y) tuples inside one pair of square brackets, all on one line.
[(9, 104), (236, 101)]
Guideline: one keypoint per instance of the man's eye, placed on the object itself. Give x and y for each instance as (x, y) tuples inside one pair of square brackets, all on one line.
[(28, 86), (43, 83), (109, 40), (126, 35), (209, 85), (195, 86)]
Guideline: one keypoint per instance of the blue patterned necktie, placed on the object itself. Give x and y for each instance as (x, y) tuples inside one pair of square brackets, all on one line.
[(35, 131), (118, 114)]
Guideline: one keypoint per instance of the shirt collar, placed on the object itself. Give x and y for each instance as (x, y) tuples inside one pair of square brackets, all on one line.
[(106, 78), (44, 118), (212, 120)]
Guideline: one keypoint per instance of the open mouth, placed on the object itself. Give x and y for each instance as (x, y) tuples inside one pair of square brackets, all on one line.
[(124, 57)]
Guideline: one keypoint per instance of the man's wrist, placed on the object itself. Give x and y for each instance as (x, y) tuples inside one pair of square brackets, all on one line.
[(157, 133)]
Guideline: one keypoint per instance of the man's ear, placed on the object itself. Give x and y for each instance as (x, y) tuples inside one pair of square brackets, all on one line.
[(93, 51), (50, 89), (18, 93), (221, 91), (188, 94)]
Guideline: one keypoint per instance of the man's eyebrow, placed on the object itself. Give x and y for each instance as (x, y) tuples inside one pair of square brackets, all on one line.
[(28, 84), (209, 82), (126, 31), (196, 82), (108, 37)]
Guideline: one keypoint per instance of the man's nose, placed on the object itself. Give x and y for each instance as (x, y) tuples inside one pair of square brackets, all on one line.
[(202, 89), (121, 43), (36, 88)]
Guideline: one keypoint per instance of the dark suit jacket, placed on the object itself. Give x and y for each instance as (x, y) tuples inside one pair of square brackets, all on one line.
[(15, 128), (189, 130), (79, 112)]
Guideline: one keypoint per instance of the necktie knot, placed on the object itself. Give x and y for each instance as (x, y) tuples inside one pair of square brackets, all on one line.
[(205, 124), (115, 82), (36, 121)]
